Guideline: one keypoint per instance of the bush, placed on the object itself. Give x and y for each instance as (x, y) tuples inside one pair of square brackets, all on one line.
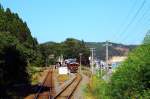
[(132, 78)]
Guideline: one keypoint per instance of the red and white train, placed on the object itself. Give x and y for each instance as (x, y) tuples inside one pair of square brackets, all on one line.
[(72, 65)]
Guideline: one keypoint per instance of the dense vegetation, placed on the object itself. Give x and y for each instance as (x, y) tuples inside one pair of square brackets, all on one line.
[(131, 80), (70, 48), (18, 50)]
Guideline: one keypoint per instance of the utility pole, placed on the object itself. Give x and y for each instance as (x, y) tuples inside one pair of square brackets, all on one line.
[(107, 44), (106, 55), (80, 61), (92, 59), (101, 68)]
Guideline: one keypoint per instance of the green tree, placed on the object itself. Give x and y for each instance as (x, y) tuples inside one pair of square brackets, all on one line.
[(73, 47), (13, 63)]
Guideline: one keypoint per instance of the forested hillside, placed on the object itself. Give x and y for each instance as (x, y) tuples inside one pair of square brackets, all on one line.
[(70, 48), (100, 50), (18, 51), (114, 49)]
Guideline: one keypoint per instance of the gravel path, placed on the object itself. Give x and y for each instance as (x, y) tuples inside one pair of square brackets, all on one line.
[(79, 94)]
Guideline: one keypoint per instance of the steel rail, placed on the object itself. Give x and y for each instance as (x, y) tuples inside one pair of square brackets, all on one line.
[(42, 85), (70, 95)]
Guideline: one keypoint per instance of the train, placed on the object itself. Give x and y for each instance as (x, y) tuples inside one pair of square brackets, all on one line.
[(72, 65)]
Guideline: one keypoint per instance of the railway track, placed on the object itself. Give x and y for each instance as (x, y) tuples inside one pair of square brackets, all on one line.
[(69, 90), (45, 89)]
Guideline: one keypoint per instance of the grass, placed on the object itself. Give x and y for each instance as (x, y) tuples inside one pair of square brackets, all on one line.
[(97, 88), (35, 73), (62, 78), (86, 71)]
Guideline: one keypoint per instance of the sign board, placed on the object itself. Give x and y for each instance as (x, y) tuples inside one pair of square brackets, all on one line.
[(63, 70), (89, 58)]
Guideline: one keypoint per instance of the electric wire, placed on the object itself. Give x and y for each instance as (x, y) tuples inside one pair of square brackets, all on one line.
[(132, 20), (137, 25), (123, 23), (141, 26)]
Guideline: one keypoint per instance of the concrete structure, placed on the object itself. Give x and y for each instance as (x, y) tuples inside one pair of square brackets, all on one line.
[(116, 60)]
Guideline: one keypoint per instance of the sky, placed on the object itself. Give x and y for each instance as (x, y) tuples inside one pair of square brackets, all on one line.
[(120, 21)]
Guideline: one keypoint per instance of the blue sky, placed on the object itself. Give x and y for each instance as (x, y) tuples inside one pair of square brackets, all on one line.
[(88, 20)]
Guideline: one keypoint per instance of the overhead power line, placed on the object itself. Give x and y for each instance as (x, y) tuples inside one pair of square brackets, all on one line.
[(142, 23), (123, 23), (131, 22)]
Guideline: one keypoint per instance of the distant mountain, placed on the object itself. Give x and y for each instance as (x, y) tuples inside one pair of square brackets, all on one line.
[(114, 50)]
